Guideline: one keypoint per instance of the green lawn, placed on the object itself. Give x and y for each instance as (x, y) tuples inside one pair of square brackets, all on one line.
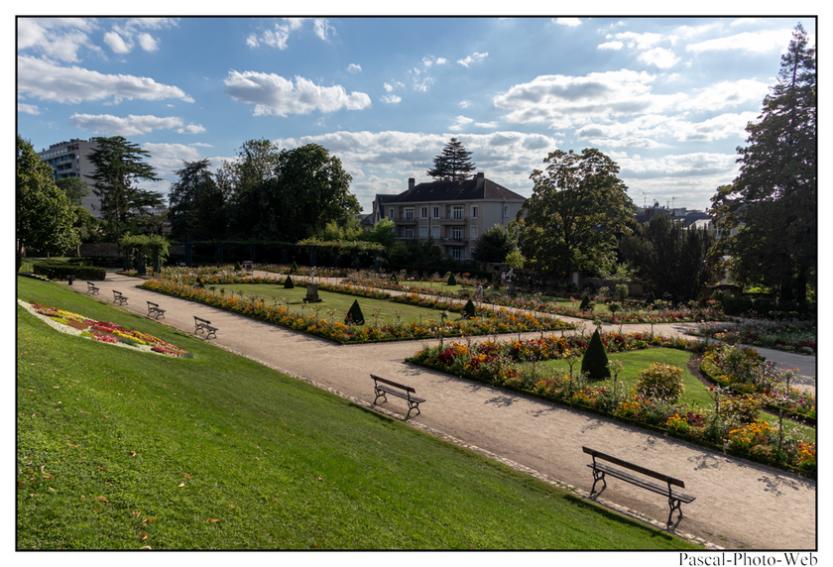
[(336, 305), (695, 393), (120, 449)]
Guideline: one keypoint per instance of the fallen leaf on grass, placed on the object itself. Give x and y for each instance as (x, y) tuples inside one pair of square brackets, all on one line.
[(143, 536), (102, 499), (214, 520), (133, 453)]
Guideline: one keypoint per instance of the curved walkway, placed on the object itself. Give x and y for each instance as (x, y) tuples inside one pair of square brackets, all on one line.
[(739, 503)]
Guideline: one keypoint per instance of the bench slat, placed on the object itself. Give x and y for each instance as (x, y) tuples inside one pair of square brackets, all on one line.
[(399, 394), (642, 483), (392, 383), (633, 467)]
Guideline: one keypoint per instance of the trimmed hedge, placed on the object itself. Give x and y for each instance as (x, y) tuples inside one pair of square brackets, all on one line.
[(60, 270)]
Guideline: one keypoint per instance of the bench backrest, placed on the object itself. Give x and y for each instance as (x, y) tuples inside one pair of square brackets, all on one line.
[(201, 320), (641, 470), (152, 304), (116, 293), (392, 383)]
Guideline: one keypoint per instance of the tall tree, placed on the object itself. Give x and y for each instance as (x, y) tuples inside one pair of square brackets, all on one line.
[(453, 163), (245, 183), (769, 213), (44, 215), (196, 204), (578, 209), (493, 245), (75, 188), (124, 206)]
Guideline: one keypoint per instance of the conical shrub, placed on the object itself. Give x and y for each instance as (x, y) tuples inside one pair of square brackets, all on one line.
[(452, 280), (594, 363), (469, 310), (354, 315), (288, 283)]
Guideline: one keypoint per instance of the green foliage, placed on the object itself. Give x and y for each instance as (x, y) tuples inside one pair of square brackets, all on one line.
[(740, 410), (383, 232), (661, 382), (349, 230), (578, 209), (586, 305), (354, 315), (196, 204), (120, 164), (44, 216), (515, 259), (74, 188), (594, 363), (60, 271), (620, 292), (469, 311), (288, 283), (139, 248), (452, 279), (493, 245), (769, 213), (453, 163)]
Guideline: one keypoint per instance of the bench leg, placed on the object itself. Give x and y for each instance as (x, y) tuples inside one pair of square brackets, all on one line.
[(597, 476), (674, 504), (379, 394), (211, 335), (412, 406)]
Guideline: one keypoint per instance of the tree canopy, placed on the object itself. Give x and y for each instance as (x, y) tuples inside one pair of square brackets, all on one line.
[(578, 210), (493, 245), (120, 164), (769, 213), (453, 163), (196, 204), (44, 215)]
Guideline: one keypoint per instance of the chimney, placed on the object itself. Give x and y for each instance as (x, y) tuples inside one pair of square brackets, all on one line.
[(480, 178), (411, 182)]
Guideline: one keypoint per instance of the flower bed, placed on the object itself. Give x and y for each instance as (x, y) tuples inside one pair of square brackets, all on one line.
[(257, 308), (744, 371), (790, 336), (102, 331), (499, 364)]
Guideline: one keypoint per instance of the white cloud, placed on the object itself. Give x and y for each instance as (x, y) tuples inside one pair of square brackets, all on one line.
[(28, 108), (391, 99), (659, 57), (354, 68), (764, 41), (132, 125), (485, 125), (273, 95), (429, 60), (636, 40), (323, 29), (460, 123), (147, 42), (151, 23), (44, 80), (392, 86), (117, 43), (59, 39), (569, 22), (278, 35), (614, 45), (475, 57), (464, 103)]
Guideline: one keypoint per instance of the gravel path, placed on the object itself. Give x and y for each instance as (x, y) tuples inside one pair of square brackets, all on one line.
[(739, 503)]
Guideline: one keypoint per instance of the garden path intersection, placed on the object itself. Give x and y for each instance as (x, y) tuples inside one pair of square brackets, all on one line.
[(739, 503)]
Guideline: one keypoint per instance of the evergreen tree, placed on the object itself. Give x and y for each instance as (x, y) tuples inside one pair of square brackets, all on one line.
[(197, 206), (354, 315), (594, 363), (288, 283), (771, 206), (453, 163), (585, 303), (452, 279), (469, 311), (119, 166)]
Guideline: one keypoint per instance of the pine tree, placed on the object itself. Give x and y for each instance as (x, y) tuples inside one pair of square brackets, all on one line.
[(452, 279), (354, 315), (453, 163), (772, 204), (469, 311), (594, 364), (288, 283)]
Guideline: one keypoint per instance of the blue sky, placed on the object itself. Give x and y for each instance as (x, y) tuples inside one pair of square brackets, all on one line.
[(668, 99)]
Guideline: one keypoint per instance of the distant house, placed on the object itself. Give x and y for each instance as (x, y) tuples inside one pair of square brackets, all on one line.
[(453, 214), (72, 159)]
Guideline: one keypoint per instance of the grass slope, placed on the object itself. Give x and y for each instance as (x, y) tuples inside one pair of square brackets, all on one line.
[(339, 303), (120, 449)]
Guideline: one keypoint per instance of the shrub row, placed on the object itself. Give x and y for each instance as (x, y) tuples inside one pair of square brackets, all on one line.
[(60, 270)]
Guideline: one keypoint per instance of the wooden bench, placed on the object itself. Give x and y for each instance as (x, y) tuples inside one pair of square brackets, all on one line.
[(204, 326), (600, 470), (119, 297), (154, 310), (92, 289), (383, 386)]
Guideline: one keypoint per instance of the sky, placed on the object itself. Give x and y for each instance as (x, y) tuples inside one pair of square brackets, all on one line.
[(667, 98)]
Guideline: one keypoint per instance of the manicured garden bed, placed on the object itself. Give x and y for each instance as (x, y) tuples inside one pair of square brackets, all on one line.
[(334, 327), (121, 450), (549, 368), (791, 336)]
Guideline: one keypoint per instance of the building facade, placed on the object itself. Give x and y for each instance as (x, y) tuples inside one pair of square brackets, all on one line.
[(452, 214), (72, 159)]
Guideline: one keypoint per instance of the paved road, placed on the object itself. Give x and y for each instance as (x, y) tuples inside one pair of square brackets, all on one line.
[(739, 504)]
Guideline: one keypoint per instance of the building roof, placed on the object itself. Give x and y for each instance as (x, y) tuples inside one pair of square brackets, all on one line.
[(474, 189)]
